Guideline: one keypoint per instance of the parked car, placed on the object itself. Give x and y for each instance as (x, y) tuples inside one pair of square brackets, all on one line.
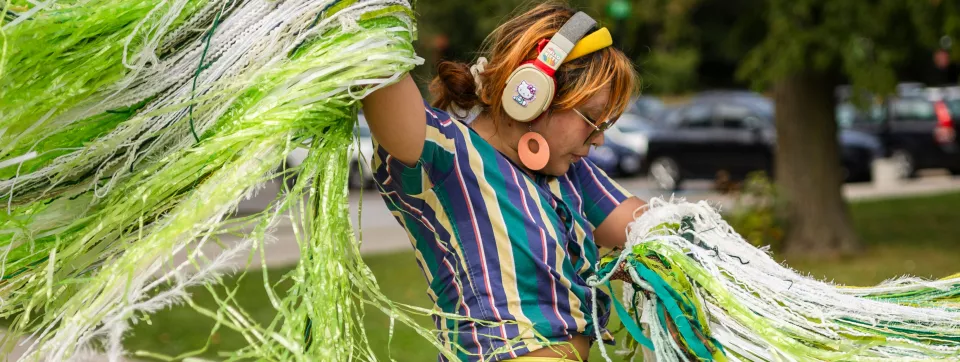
[(615, 158), (732, 133), (632, 131), (646, 106), (916, 128), (361, 174), (624, 146)]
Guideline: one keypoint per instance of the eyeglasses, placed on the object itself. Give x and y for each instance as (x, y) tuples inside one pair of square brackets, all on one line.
[(597, 129)]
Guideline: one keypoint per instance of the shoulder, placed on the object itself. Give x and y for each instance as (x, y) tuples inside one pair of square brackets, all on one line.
[(442, 119), (600, 193), (443, 130), (442, 142)]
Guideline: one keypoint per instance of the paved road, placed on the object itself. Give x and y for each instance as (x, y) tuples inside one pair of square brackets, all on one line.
[(381, 233)]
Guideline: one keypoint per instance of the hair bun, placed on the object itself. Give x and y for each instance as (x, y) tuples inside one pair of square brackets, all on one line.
[(454, 85)]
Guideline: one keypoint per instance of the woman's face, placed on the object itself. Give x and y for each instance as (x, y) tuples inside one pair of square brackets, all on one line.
[(566, 133)]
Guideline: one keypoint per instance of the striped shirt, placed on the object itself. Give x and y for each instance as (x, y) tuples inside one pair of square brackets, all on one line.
[(495, 244)]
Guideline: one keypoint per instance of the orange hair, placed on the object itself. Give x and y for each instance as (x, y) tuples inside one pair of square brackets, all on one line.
[(514, 42)]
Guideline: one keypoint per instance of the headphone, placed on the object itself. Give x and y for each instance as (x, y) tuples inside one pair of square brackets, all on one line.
[(531, 86)]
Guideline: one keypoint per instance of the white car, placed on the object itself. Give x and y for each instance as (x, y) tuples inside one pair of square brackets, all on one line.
[(625, 146), (361, 174)]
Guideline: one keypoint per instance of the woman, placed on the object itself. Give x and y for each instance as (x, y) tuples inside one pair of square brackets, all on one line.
[(505, 239)]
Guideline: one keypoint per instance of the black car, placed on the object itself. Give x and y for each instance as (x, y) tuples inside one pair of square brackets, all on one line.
[(615, 158), (916, 128), (732, 133), (646, 106)]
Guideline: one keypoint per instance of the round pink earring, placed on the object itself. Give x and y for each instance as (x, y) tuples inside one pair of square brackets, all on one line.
[(533, 160)]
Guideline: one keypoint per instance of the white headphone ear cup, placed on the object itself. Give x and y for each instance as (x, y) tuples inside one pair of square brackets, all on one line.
[(528, 93)]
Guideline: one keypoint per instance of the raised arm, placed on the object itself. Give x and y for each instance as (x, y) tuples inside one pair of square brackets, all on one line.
[(608, 206), (612, 231), (397, 119)]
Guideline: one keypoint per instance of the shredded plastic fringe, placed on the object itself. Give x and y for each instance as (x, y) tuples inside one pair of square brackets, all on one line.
[(703, 293), (131, 129)]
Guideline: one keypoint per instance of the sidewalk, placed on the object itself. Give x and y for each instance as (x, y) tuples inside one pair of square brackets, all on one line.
[(381, 234), (930, 185)]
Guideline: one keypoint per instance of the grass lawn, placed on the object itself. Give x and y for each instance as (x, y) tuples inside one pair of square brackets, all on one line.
[(917, 236)]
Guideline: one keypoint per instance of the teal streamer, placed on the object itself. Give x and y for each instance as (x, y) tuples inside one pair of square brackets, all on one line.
[(632, 327), (666, 296)]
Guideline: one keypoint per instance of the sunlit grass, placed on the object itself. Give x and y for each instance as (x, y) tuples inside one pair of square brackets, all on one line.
[(917, 236)]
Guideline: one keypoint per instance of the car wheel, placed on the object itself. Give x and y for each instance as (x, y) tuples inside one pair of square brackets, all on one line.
[(665, 173), (630, 165), (904, 163)]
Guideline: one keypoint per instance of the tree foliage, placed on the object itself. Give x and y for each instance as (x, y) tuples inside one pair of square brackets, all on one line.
[(865, 42), (665, 46), (685, 45)]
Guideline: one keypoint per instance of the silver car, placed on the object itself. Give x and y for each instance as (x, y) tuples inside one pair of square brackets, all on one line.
[(361, 174)]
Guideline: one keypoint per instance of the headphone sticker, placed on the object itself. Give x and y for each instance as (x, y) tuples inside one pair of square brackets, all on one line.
[(550, 57), (526, 93)]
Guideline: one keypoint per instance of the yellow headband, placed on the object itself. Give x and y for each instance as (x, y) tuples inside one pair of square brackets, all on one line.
[(595, 41)]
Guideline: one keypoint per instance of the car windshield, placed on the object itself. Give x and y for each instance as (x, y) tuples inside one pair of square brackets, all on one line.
[(848, 114), (762, 106), (669, 117), (632, 125), (646, 106), (914, 109), (757, 106)]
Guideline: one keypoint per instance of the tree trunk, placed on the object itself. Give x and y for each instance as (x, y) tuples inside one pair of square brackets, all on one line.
[(808, 168)]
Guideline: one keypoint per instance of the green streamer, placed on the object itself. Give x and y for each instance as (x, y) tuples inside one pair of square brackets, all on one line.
[(676, 266), (104, 175)]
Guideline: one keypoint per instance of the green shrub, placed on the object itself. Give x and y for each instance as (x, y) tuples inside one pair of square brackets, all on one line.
[(758, 212)]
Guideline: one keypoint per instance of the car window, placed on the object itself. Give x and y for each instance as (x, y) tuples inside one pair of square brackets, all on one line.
[(878, 113), (632, 125), (697, 116), (669, 117), (848, 115), (646, 106), (762, 107), (954, 106), (733, 116), (914, 110)]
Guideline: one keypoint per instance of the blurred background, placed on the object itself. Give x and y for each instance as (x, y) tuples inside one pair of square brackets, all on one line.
[(822, 129), (810, 101)]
